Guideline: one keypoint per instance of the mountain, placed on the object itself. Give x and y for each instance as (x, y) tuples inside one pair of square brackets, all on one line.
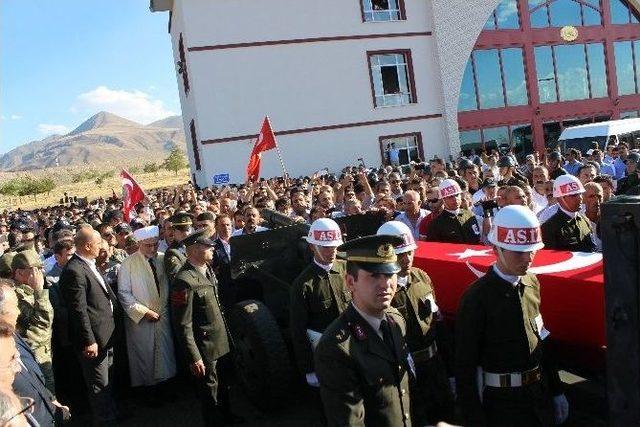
[(171, 122), (103, 138)]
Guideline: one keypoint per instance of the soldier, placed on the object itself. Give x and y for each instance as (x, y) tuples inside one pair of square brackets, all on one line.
[(454, 224), (201, 330), (503, 375), (567, 228), (175, 257), (427, 337), (35, 323), (318, 294), (554, 161), (362, 361), (508, 172)]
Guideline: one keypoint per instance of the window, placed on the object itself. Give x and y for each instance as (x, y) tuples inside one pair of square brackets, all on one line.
[(194, 144), (494, 78), (519, 137), (559, 13), (182, 65), (392, 78), (629, 115), (621, 13), (504, 17), (570, 72), (409, 146), (628, 66), (382, 10)]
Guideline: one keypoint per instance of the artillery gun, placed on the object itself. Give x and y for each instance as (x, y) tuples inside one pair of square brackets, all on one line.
[(263, 266)]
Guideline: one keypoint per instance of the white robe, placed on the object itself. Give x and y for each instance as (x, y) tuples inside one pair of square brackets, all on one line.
[(149, 344)]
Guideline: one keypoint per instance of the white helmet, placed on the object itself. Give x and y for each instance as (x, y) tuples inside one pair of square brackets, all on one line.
[(400, 229), (325, 232), (567, 185), (449, 187), (516, 228)]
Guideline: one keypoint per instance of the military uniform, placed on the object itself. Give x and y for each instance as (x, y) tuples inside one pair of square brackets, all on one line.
[(565, 233), (362, 361), (362, 381), (627, 183), (317, 299), (429, 342), (499, 330), (201, 331), (174, 259), (454, 228), (554, 174)]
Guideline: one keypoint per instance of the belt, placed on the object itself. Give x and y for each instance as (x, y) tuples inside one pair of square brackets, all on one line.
[(516, 379), (425, 354)]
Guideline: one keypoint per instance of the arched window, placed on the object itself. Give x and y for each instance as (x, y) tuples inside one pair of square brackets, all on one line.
[(541, 65)]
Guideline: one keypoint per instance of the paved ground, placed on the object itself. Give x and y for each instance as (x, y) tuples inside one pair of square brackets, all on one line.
[(586, 397)]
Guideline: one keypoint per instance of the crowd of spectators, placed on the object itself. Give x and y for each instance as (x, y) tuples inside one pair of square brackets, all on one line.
[(438, 200)]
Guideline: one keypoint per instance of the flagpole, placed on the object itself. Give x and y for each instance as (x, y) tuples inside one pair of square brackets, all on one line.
[(284, 170)]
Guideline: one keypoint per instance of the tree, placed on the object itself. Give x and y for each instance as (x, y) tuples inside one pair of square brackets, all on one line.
[(27, 186), (175, 161), (150, 167)]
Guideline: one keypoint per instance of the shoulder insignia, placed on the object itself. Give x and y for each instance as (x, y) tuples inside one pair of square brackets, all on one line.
[(357, 330), (179, 297)]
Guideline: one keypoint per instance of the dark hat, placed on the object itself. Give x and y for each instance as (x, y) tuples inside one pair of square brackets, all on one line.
[(489, 182), (5, 263), (506, 162), (20, 226), (26, 259), (200, 237), (181, 218), (374, 254), (634, 157), (62, 224), (206, 216), (465, 164), (123, 227), (554, 155)]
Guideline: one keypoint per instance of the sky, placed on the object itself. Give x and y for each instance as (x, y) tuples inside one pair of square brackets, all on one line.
[(63, 61)]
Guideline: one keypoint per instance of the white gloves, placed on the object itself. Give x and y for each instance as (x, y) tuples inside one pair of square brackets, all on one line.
[(452, 386), (560, 408), (312, 379)]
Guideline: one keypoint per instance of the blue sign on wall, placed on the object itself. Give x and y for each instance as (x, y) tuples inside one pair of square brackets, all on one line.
[(220, 179)]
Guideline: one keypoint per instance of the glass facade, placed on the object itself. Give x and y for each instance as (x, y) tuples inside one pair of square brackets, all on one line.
[(524, 71)]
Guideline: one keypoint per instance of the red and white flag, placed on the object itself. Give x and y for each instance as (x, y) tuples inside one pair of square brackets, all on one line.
[(266, 141), (132, 193)]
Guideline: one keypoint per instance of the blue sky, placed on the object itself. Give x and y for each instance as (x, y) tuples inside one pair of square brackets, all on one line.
[(62, 61)]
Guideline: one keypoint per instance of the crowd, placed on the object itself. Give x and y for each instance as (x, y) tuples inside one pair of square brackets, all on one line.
[(90, 300)]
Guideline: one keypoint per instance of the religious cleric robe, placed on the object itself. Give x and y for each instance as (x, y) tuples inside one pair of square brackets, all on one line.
[(149, 344)]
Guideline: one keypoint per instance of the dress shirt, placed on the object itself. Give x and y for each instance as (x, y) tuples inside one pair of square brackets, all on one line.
[(514, 280), (325, 267), (92, 266), (402, 281), (373, 321)]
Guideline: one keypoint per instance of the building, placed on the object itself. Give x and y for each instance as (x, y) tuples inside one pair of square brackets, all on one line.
[(341, 80)]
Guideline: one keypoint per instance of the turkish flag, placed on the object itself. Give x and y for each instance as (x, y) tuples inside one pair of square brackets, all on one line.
[(132, 193), (266, 141)]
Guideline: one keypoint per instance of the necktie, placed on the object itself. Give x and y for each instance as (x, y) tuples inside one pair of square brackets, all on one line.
[(155, 274), (386, 335)]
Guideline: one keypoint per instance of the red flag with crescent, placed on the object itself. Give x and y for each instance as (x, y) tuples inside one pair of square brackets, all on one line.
[(132, 193), (266, 141)]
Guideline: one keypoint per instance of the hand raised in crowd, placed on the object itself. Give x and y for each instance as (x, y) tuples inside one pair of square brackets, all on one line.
[(151, 316), (36, 279), (198, 369)]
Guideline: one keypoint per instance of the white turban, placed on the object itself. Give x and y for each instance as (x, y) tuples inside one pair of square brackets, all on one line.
[(144, 233)]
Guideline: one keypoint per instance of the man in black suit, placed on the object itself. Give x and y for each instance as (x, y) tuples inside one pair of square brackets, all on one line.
[(91, 304), (221, 263)]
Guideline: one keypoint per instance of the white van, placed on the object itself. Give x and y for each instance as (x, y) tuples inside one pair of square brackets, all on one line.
[(581, 137)]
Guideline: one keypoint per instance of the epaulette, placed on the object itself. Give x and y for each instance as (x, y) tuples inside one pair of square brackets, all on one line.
[(357, 330)]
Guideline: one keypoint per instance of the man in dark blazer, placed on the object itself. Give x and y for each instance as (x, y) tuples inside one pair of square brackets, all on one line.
[(221, 263), (91, 304)]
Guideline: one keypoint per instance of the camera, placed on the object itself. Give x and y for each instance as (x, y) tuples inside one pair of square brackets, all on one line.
[(487, 207)]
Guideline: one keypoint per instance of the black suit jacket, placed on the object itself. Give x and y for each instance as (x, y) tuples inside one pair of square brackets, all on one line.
[(29, 382), (91, 317), (221, 265)]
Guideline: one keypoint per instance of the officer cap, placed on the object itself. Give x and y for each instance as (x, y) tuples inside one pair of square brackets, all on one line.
[(181, 218), (464, 164), (489, 182), (5, 263), (374, 254), (200, 237), (26, 259), (634, 157), (123, 227), (506, 162)]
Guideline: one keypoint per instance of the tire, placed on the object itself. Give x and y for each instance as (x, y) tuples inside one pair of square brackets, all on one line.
[(261, 357)]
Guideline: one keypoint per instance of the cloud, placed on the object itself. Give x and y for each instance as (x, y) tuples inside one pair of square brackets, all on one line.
[(133, 105), (49, 129), (16, 117)]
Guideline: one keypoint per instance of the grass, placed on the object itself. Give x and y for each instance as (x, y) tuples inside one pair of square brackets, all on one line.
[(64, 177)]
